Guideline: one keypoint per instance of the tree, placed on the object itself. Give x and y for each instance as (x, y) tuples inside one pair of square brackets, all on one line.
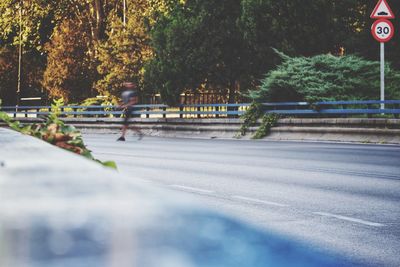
[(26, 23), (123, 55), (69, 73), (44, 29), (192, 45), (297, 27), (8, 75), (198, 45), (32, 68), (34, 20), (36, 23)]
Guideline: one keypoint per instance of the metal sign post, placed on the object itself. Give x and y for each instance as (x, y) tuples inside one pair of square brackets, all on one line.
[(18, 93), (382, 30), (382, 74)]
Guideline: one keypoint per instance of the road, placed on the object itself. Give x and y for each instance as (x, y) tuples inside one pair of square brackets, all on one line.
[(343, 198)]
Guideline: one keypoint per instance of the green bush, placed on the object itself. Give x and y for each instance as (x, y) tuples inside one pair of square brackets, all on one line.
[(250, 118), (326, 78), (267, 122)]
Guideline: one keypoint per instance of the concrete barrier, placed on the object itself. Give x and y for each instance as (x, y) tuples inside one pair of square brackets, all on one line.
[(362, 130), (60, 209)]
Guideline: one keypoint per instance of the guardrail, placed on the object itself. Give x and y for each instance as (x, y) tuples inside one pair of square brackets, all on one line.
[(318, 109), (146, 111)]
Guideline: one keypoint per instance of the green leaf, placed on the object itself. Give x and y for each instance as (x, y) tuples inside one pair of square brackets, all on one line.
[(110, 164)]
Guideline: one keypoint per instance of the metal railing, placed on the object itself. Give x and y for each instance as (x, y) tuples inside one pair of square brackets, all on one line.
[(318, 109)]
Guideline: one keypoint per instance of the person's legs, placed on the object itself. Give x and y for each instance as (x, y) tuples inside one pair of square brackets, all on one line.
[(123, 129), (122, 137), (127, 115), (136, 128), (139, 132)]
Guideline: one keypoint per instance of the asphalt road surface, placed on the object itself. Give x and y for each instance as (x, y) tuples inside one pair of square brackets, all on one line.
[(343, 198)]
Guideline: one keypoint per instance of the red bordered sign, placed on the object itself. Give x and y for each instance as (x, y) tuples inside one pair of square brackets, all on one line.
[(382, 30), (382, 10)]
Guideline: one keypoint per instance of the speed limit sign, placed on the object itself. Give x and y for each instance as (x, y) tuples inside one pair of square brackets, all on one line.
[(382, 30)]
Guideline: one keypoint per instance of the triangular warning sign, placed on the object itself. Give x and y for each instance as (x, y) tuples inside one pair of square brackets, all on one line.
[(382, 11)]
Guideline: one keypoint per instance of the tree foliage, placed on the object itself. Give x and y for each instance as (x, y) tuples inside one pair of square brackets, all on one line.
[(32, 69), (197, 44), (77, 48), (324, 78), (32, 18), (68, 73), (8, 74), (123, 55)]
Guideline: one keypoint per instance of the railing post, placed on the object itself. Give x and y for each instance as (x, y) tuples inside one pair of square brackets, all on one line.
[(75, 110), (147, 112), (217, 110), (236, 109), (198, 110), (231, 109), (164, 112), (181, 112), (344, 115), (316, 107), (369, 115), (15, 112)]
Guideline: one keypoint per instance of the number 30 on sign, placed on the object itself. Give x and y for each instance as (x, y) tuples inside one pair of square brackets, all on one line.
[(382, 30)]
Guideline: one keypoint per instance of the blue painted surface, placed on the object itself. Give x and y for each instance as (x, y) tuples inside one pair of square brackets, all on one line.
[(360, 102), (176, 237)]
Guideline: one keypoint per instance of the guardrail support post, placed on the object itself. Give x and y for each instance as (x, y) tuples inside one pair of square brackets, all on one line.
[(147, 114), (164, 112), (369, 115), (198, 110), (181, 110), (217, 110)]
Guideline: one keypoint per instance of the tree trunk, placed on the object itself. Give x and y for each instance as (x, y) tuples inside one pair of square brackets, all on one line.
[(100, 20)]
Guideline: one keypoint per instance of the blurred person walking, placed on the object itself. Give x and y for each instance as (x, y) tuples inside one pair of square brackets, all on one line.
[(129, 99)]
